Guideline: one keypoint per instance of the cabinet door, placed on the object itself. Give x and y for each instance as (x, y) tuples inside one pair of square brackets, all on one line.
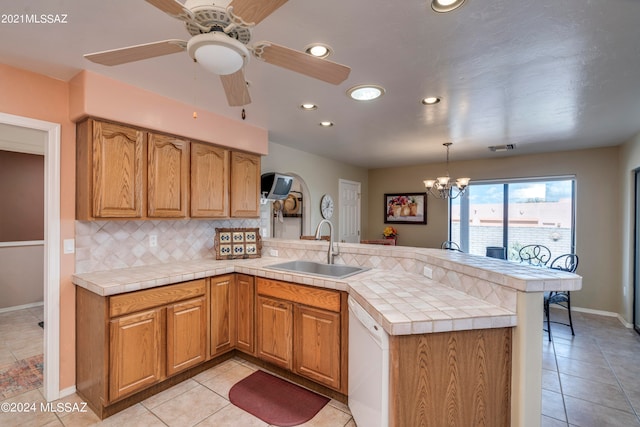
[(209, 181), (317, 345), (245, 185), (275, 328), (186, 334), (168, 177), (245, 289), (223, 321), (135, 352), (118, 171)]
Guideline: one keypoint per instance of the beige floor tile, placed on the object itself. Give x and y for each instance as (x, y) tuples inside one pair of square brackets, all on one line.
[(191, 407), (591, 355), (552, 422), (550, 380), (222, 383), (232, 416), (552, 405), (596, 392), (588, 414), (134, 416), (31, 417), (169, 393), (586, 370), (328, 416), (211, 373)]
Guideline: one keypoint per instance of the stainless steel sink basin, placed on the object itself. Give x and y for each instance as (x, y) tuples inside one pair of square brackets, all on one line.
[(335, 271)]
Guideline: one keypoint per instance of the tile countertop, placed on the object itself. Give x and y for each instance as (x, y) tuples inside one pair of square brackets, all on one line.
[(403, 303)]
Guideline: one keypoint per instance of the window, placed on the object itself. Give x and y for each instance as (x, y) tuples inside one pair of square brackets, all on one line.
[(513, 214)]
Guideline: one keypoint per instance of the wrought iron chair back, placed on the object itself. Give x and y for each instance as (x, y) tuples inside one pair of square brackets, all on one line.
[(565, 262), (450, 245), (538, 255)]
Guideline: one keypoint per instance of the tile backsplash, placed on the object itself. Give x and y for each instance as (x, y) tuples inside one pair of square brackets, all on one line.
[(104, 245)]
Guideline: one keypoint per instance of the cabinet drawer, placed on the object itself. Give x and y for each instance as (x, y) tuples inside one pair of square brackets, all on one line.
[(310, 296), (141, 300)]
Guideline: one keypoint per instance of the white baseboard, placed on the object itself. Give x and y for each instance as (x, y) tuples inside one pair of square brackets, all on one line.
[(21, 307), (67, 392), (604, 313)]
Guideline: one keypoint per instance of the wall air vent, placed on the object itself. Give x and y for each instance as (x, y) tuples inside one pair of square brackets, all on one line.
[(505, 147)]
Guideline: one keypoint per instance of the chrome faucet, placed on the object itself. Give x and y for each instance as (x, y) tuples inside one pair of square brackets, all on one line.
[(330, 252)]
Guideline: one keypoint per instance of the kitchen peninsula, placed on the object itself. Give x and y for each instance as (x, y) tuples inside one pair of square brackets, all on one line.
[(416, 294)]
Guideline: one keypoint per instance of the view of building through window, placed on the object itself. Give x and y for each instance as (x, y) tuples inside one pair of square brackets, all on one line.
[(513, 214)]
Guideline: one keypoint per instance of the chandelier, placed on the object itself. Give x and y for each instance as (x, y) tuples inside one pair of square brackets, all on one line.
[(442, 187)]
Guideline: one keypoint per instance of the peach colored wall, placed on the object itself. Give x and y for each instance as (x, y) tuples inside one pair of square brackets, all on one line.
[(39, 97), (95, 95)]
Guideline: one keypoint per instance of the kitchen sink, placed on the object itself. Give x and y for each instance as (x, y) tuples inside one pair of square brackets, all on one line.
[(335, 271)]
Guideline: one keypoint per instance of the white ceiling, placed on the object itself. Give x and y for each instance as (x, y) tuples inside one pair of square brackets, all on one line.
[(544, 75)]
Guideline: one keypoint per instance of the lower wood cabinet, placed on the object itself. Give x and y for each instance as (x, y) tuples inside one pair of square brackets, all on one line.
[(135, 352), (317, 345), (303, 329), (275, 331), (128, 342), (186, 334), (231, 310)]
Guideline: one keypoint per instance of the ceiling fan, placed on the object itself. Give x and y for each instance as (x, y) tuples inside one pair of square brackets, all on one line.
[(220, 31)]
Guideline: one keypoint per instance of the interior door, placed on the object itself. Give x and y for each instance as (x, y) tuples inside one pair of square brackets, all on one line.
[(636, 257), (349, 204)]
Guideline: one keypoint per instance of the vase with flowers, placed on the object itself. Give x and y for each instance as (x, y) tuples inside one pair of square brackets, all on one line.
[(390, 233)]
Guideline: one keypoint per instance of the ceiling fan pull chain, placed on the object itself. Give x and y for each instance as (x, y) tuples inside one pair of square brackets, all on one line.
[(244, 114)]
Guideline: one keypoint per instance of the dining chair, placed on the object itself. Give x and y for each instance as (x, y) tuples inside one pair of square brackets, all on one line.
[(450, 245), (565, 262), (538, 255)]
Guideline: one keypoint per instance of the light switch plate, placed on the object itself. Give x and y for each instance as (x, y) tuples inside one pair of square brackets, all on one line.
[(69, 246)]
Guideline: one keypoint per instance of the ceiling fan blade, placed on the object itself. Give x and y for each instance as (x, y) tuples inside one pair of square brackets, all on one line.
[(235, 87), (252, 11), (303, 63), (172, 7), (137, 53)]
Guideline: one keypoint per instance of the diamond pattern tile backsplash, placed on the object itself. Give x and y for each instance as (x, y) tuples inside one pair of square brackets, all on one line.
[(104, 245)]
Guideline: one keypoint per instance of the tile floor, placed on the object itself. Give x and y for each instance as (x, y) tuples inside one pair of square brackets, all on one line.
[(588, 380)]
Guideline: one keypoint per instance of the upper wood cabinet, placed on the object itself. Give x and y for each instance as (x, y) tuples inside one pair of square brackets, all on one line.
[(168, 176), (245, 185), (110, 172), (124, 172), (209, 181)]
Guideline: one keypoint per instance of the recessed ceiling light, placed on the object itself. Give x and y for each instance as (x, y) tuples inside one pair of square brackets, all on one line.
[(318, 50), (430, 100), (326, 124), (308, 107), (365, 92), (443, 6)]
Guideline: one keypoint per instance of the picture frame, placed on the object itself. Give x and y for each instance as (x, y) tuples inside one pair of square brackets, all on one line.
[(405, 208)]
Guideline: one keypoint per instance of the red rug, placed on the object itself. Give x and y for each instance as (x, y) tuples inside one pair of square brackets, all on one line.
[(21, 376), (276, 401)]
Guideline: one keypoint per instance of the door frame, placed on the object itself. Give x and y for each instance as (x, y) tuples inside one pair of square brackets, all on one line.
[(51, 375)]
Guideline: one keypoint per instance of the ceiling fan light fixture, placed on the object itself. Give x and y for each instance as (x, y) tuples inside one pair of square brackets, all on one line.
[(443, 6), (365, 92), (319, 50), (218, 53)]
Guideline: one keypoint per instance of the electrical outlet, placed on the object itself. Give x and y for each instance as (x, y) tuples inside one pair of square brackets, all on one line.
[(273, 252), (427, 272), (153, 240), (69, 246)]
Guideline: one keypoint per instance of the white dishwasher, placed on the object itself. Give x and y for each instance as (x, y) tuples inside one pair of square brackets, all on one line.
[(368, 369)]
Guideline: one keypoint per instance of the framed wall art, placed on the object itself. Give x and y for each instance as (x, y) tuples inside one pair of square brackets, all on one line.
[(405, 208)]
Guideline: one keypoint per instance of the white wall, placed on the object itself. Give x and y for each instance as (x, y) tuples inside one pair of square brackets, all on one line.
[(321, 175)]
